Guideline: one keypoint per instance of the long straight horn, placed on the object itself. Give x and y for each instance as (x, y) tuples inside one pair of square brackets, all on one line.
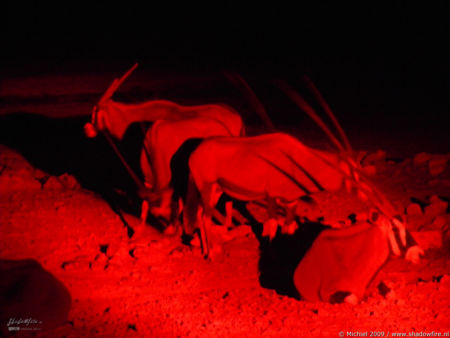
[(328, 110), (237, 80), (303, 105), (116, 84)]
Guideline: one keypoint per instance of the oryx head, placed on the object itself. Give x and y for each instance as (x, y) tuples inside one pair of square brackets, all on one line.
[(349, 167), (98, 118)]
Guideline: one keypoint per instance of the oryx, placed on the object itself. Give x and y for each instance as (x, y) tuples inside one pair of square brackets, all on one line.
[(162, 141), (274, 167)]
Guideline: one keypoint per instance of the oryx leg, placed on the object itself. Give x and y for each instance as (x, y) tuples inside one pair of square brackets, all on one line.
[(145, 206), (228, 214), (270, 227), (191, 207), (209, 194), (290, 224), (144, 212)]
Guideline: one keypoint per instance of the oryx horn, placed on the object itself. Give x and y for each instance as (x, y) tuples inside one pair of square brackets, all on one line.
[(303, 105), (328, 110), (237, 80), (116, 84)]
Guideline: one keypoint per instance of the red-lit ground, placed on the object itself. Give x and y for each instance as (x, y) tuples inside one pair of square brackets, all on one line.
[(154, 286)]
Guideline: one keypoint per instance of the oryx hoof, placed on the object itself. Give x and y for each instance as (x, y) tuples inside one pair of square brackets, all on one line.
[(351, 299), (195, 242), (289, 229), (270, 228)]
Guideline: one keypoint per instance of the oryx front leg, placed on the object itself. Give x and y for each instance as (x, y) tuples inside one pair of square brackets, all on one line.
[(270, 226), (144, 212), (290, 225), (145, 204), (228, 214), (209, 198)]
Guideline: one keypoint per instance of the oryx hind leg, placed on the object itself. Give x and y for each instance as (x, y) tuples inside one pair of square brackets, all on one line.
[(209, 198), (144, 212), (270, 226), (191, 207)]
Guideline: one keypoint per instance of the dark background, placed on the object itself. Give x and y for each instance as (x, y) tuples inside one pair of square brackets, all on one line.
[(371, 61)]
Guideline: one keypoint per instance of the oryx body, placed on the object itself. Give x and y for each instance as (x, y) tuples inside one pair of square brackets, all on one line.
[(271, 167), (161, 143), (116, 117), (275, 165)]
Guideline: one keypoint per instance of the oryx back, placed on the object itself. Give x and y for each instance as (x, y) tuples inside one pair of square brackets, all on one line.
[(116, 117), (275, 165), (164, 139)]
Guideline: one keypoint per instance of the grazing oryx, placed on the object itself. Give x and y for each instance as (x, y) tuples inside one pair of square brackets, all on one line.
[(162, 141), (275, 167)]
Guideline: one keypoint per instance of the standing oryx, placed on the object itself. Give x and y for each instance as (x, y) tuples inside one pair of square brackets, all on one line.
[(274, 167), (115, 117), (162, 141)]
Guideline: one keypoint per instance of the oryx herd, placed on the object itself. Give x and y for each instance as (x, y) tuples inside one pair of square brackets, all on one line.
[(275, 168)]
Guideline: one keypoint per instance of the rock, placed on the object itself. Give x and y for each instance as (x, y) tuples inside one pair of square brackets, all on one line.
[(52, 183), (30, 291), (440, 222), (414, 209), (421, 159), (436, 208), (446, 236), (68, 181), (444, 283), (437, 164), (428, 239), (376, 156)]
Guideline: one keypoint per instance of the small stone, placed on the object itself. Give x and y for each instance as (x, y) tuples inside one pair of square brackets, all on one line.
[(444, 283), (378, 155), (446, 235), (440, 222), (421, 159), (414, 209), (362, 217), (428, 239), (436, 208), (68, 181), (437, 164)]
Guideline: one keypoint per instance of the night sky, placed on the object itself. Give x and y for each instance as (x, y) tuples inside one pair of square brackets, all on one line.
[(397, 50), (408, 33)]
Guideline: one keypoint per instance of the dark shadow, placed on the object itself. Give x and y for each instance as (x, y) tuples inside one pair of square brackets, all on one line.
[(27, 290), (280, 257), (59, 146)]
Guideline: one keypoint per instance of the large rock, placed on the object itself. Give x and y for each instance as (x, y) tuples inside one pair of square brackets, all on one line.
[(31, 297), (341, 262)]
